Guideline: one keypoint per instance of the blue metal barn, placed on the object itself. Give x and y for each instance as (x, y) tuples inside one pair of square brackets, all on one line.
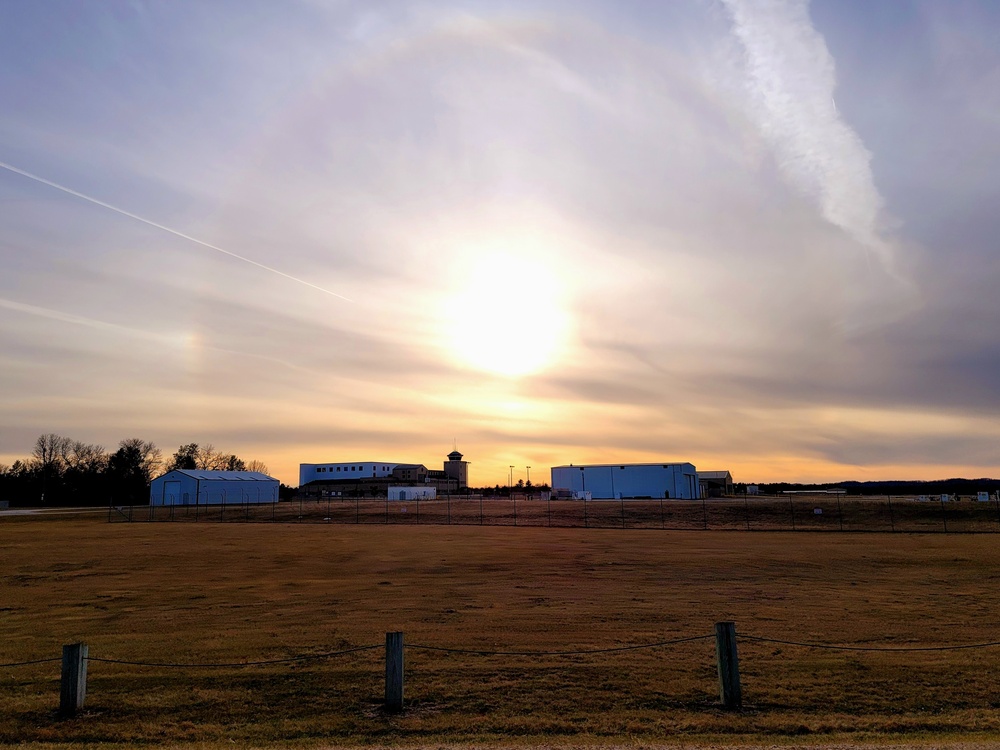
[(198, 487)]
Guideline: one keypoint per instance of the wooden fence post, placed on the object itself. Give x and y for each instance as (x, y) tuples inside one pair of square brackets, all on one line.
[(73, 687), (394, 672), (729, 666)]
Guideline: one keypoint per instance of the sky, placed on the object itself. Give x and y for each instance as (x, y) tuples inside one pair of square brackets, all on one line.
[(755, 235)]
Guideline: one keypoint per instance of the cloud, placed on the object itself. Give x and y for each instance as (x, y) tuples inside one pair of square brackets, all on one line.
[(792, 83)]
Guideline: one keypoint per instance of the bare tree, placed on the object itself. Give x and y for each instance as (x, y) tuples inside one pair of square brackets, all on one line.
[(210, 459), (49, 453), (85, 458), (258, 466)]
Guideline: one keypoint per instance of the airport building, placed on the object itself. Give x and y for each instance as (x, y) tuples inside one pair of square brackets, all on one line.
[(715, 483), (628, 481), (199, 487), (375, 478)]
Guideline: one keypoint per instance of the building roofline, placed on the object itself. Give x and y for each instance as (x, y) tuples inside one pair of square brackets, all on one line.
[(609, 466), (235, 476), (324, 463)]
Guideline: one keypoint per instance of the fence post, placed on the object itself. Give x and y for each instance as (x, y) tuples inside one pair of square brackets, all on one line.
[(394, 672), (73, 686), (728, 661)]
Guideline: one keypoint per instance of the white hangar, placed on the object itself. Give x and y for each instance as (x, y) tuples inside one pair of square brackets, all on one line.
[(629, 481), (197, 487)]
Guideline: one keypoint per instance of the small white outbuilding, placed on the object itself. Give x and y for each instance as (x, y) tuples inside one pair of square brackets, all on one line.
[(198, 487), (412, 493)]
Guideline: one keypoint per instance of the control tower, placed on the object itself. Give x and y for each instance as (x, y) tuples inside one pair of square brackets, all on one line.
[(456, 468)]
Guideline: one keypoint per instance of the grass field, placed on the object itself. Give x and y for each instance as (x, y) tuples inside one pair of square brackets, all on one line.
[(787, 513), (195, 593)]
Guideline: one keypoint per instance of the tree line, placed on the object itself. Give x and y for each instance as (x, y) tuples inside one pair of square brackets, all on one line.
[(954, 486), (61, 471)]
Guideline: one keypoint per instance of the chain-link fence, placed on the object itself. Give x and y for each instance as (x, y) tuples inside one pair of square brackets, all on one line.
[(745, 513)]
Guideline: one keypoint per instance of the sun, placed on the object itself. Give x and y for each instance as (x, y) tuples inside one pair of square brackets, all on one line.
[(508, 316)]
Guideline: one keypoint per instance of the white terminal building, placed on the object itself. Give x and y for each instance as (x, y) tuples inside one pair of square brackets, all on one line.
[(376, 478), (677, 481)]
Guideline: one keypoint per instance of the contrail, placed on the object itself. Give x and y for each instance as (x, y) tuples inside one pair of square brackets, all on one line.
[(793, 79), (188, 237), (64, 317)]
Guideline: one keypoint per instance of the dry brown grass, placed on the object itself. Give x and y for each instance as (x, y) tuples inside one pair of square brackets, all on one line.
[(233, 592), (802, 513)]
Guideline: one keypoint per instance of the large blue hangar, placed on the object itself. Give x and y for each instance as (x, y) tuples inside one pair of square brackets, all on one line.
[(629, 481), (200, 487)]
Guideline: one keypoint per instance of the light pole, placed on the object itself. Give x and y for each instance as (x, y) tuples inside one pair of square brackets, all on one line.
[(512, 499), (529, 474), (510, 480)]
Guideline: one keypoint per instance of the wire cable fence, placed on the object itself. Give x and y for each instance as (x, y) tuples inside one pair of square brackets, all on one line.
[(575, 652), (28, 663), (237, 664), (883, 649), (798, 513), (76, 657)]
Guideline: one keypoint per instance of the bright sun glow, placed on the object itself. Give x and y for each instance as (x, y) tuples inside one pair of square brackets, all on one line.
[(508, 317)]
